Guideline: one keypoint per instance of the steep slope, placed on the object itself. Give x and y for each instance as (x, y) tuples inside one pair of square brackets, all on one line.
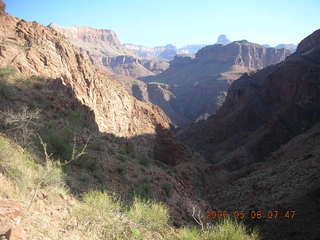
[(50, 89), (263, 143), (106, 51), (98, 41), (200, 84), (45, 52)]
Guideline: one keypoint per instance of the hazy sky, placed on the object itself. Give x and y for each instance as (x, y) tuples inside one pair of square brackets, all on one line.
[(180, 22)]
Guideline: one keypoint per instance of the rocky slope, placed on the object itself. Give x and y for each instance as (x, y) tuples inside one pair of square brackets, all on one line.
[(95, 40), (200, 84), (42, 51), (263, 143), (106, 51), (51, 88)]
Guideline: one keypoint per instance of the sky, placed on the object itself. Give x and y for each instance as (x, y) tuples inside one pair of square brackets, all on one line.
[(180, 22)]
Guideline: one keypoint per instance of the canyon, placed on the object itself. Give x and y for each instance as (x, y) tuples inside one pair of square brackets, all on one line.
[(229, 126)]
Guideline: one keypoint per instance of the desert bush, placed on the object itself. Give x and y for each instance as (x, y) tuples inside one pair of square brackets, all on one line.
[(143, 160), (151, 214), (167, 188), (21, 125), (122, 169), (96, 216), (58, 145), (87, 163), (189, 234), (144, 190), (7, 71), (27, 173), (225, 230)]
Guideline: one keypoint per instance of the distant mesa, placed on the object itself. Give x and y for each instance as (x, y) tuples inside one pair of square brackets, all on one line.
[(222, 39), (197, 86), (291, 47)]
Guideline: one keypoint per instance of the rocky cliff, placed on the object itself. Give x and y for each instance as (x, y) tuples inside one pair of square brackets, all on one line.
[(130, 148), (95, 40), (200, 83), (106, 51), (37, 50), (263, 143)]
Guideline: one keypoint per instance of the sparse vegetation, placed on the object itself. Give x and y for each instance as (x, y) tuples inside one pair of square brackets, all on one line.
[(37, 174), (153, 215), (143, 160), (58, 145), (167, 188), (225, 230), (144, 190), (122, 169), (100, 214)]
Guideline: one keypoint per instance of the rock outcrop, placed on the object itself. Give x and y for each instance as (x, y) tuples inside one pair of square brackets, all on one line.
[(106, 51), (200, 83), (95, 40), (263, 143), (10, 217), (37, 50)]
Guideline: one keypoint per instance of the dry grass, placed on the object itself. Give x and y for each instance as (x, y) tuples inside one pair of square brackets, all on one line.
[(55, 214)]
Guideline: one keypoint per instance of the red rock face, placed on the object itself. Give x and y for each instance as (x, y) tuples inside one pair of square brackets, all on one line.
[(10, 209), (10, 217), (242, 53), (263, 144), (100, 38), (199, 84), (265, 109), (37, 50), (106, 51)]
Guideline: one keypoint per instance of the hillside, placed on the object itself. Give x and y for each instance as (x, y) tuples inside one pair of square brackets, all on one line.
[(199, 85), (104, 138), (106, 52), (263, 143)]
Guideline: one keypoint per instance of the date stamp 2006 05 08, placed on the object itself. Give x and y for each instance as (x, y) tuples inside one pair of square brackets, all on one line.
[(253, 214)]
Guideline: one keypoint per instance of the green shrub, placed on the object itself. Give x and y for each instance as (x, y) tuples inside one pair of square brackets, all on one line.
[(225, 230), (122, 157), (144, 190), (143, 160), (58, 145), (230, 230), (152, 215), (7, 71), (167, 188), (87, 163), (189, 234), (122, 169), (21, 167)]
